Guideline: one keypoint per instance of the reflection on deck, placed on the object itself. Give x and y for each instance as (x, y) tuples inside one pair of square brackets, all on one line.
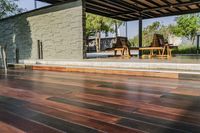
[(109, 56)]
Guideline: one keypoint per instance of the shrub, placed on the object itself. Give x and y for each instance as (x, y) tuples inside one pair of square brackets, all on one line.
[(185, 49)]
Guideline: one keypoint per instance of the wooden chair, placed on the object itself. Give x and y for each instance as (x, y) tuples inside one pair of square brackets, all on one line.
[(126, 45), (117, 46), (164, 49), (167, 47), (156, 45), (122, 45), (159, 41)]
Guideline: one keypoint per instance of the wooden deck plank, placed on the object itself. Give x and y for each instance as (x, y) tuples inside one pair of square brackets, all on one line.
[(102, 71), (148, 82), (6, 128), (150, 122), (67, 89), (24, 124), (138, 87), (108, 77), (49, 121), (95, 79), (90, 122), (41, 100), (145, 106)]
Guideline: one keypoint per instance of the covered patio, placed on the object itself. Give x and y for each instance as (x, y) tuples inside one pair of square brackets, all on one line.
[(46, 37), (125, 10), (136, 10), (103, 95)]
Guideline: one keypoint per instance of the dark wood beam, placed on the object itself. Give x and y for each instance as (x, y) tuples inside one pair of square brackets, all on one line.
[(140, 35), (127, 10), (179, 13), (150, 15), (171, 6), (49, 1), (97, 5), (101, 7), (124, 5), (130, 8), (106, 14), (137, 2), (185, 6), (113, 6), (147, 6), (198, 5)]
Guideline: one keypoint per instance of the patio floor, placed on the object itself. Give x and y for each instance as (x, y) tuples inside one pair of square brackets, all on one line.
[(45, 102), (109, 56)]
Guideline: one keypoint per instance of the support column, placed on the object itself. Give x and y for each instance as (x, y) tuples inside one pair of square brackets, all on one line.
[(126, 29), (140, 35), (85, 38), (4, 58), (198, 36), (35, 3)]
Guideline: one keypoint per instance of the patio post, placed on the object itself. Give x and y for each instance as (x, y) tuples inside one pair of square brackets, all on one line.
[(35, 3), (140, 35), (198, 36), (126, 29), (85, 39)]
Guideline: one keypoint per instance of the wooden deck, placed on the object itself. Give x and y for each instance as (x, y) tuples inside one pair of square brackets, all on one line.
[(54, 102)]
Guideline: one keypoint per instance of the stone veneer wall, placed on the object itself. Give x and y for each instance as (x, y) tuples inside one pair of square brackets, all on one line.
[(60, 28)]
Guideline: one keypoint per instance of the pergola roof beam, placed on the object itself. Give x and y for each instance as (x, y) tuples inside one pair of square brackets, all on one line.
[(133, 9), (171, 6)]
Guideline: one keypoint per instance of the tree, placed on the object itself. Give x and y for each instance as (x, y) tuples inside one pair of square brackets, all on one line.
[(90, 31), (8, 8), (116, 23), (95, 25), (166, 31), (149, 31), (187, 26)]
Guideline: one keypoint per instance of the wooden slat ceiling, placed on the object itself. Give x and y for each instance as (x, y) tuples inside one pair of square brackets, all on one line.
[(132, 9)]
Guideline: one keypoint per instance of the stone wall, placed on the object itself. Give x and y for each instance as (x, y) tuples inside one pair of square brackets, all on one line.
[(60, 28)]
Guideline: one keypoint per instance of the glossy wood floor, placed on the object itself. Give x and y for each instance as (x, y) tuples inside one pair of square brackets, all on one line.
[(54, 102)]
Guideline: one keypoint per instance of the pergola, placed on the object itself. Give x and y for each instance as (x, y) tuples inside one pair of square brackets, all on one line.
[(130, 10)]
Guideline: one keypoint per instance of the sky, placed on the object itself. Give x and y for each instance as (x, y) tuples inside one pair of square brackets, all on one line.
[(132, 26), (30, 4)]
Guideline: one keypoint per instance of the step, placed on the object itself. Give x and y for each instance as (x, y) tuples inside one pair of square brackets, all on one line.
[(116, 64), (186, 75)]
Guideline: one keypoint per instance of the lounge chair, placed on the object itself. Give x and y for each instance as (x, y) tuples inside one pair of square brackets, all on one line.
[(167, 47), (122, 45), (126, 45), (159, 44)]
